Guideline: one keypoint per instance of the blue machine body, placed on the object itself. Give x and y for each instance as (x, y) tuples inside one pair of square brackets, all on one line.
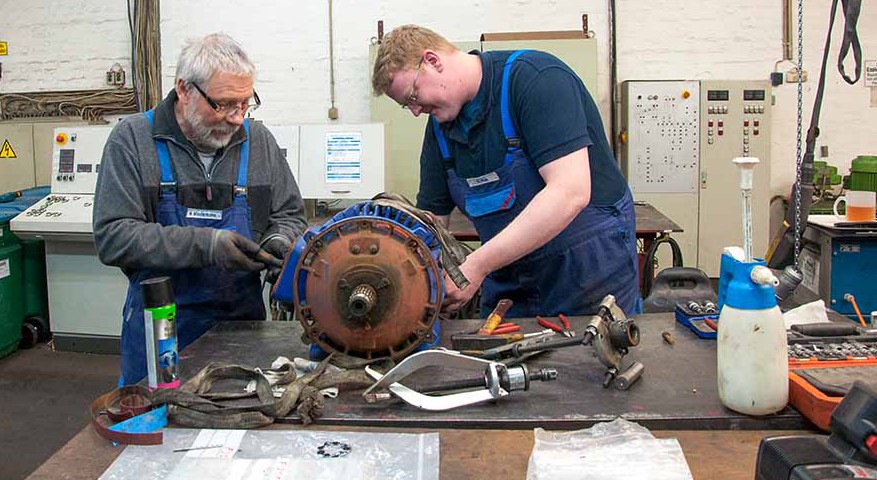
[(837, 262), (287, 284)]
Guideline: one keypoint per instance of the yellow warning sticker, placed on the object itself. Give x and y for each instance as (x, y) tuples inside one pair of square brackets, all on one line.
[(4, 48), (7, 151)]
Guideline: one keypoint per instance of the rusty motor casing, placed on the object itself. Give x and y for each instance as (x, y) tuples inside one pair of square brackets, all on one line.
[(367, 283)]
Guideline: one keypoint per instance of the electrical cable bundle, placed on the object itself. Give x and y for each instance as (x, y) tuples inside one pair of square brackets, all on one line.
[(91, 105), (145, 52)]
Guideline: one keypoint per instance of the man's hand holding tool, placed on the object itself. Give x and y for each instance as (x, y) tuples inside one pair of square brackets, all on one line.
[(495, 317)]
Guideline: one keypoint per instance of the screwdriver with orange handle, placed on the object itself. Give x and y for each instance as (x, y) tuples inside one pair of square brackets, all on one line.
[(506, 328), (495, 317)]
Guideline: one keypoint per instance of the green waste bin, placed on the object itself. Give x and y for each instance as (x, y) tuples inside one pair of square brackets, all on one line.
[(36, 297), (24, 302), (11, 296)]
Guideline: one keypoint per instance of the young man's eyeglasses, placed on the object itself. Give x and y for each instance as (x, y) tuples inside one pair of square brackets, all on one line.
[(232, 108), (412, 97)]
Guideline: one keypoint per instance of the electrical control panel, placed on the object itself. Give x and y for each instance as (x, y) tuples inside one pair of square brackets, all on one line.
[(662, 120), (76, 158), (67, 212), (735, 122), (678, 140)]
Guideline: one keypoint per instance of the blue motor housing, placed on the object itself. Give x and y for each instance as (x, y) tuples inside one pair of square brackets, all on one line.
[(366, 283)]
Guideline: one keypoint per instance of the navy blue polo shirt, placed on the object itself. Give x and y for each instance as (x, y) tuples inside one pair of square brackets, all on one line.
[(553, 114)]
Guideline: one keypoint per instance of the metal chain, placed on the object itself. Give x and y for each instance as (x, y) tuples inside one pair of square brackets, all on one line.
[(800, 154)]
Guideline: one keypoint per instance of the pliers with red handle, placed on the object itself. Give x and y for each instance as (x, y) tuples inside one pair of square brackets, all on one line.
[(565, 330)]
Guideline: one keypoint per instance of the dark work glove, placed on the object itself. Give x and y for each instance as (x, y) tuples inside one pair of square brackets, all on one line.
[(278, 247), (232, 251)]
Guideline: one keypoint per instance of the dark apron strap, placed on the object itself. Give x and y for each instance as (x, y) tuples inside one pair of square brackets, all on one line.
[(168, 184), (240, 189), (513, 141), (508, 126)]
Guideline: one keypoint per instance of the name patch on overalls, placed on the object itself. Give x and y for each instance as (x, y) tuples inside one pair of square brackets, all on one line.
[(482, 180), (204, 214)]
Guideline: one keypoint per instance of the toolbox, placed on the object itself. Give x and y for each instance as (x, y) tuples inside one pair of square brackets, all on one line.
[(700, 318), (821, 367)]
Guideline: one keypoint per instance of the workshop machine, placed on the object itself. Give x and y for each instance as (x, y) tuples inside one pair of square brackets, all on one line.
[(368, 283), (826, 179)]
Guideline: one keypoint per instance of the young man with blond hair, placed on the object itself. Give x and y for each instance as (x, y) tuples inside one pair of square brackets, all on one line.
[(516, 142)]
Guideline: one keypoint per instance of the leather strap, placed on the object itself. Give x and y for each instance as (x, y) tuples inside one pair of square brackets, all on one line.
[(119, 405)]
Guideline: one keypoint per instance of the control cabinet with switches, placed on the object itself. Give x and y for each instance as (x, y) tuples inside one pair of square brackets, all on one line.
[(80, 320), (679, 139), (76, 158)]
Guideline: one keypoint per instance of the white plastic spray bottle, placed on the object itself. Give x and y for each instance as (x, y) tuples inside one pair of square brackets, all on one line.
[(753, 368)]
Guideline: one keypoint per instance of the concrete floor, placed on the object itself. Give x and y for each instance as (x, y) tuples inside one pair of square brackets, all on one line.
[(44, 401)]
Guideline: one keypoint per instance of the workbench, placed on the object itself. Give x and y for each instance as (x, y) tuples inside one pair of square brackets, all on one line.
[(676, 397)]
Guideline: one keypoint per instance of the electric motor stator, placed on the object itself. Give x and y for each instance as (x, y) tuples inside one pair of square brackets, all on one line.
[(367, 283)]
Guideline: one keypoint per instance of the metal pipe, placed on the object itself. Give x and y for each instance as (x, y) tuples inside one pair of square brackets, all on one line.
[(787, 29), (333, 112), (630, 376)]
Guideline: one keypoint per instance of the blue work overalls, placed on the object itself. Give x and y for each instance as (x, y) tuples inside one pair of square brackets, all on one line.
[(593, 256), (203, 295)]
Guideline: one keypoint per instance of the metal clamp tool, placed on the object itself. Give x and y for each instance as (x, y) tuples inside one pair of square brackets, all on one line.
[(611, 334), (497, 380)]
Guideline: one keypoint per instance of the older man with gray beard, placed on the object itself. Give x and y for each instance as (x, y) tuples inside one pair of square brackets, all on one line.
[(193, 190)]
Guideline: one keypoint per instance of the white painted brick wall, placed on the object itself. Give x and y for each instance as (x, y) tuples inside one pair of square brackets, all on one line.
[(70, 44), (62, 44)]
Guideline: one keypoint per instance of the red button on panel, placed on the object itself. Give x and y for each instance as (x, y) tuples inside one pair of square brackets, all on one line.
[(721, 132), (755, 123), (721, 123), (745, 123), (755, 132), (709, 123)]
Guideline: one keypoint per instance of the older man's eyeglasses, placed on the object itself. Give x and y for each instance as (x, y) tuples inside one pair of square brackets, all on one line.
[(411, 99), (230, 108)]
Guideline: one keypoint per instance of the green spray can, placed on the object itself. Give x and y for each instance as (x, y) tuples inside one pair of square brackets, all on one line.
[(160, 317)]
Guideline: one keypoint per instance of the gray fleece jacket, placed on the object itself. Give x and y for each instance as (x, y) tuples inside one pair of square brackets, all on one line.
[(125, 230)]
